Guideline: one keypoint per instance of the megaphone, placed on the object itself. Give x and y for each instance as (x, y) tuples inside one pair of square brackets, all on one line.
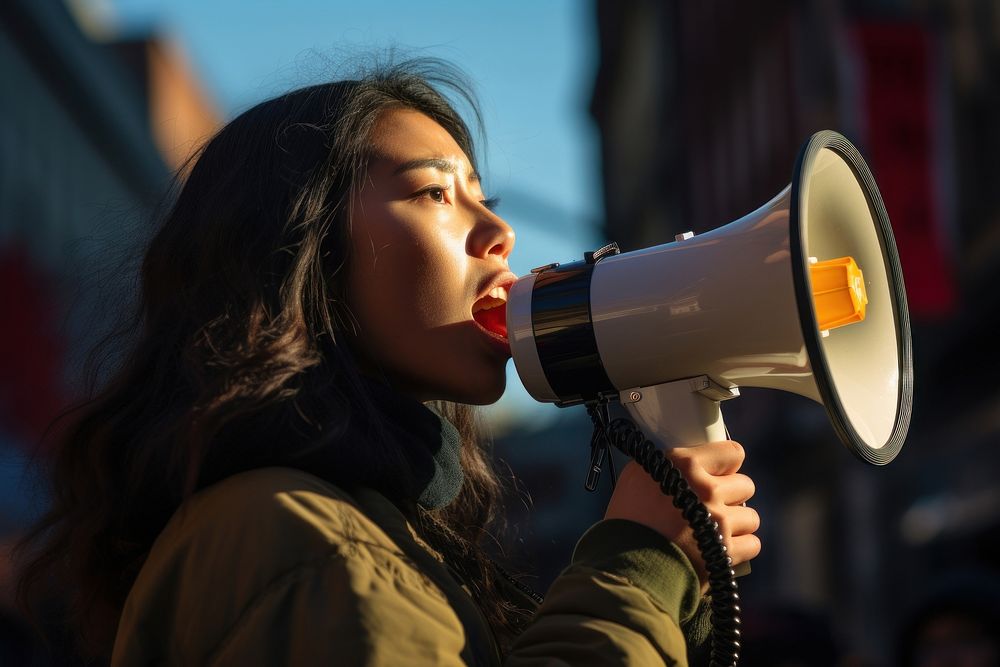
[(804, 295)]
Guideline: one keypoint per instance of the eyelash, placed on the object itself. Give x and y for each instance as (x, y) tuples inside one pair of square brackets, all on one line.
[(432, 188), (490, 203)]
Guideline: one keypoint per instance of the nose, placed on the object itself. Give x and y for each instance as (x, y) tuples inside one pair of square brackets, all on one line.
[(491, 236)]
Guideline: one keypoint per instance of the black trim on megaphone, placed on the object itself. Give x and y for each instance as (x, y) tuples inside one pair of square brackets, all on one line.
[(835, 142), (564, 331)]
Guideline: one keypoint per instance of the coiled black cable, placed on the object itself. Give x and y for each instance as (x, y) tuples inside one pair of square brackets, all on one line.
[(627, 438)]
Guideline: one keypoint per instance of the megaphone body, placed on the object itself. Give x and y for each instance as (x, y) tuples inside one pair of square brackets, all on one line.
[(674, 329)]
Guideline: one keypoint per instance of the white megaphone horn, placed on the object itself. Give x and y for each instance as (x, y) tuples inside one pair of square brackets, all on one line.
[(803, 295)]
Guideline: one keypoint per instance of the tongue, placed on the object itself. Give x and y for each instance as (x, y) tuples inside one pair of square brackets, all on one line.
[(493, 320)]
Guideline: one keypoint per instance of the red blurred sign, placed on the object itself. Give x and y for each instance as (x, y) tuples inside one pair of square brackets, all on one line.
[(899, 95), (31, 350)]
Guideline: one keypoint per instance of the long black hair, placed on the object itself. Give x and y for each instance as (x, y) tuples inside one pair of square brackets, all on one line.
[(242, 357)]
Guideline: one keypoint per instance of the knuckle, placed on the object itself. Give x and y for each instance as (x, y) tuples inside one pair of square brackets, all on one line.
[(681, 455), (737, 449), (703, 485)]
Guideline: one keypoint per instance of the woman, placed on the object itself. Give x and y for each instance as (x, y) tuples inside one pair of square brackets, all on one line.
[(264, 482)]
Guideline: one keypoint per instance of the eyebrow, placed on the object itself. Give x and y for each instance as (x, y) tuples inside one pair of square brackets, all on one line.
[(447, 166)]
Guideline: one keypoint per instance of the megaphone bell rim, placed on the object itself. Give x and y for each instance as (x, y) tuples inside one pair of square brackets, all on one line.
[(822, 374)]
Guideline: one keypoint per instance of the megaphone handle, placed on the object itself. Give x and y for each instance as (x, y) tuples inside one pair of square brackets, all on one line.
[(679, 413), (627, 437), (682, 413)]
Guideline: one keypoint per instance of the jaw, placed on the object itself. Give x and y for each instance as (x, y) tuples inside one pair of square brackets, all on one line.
[(459, 362)]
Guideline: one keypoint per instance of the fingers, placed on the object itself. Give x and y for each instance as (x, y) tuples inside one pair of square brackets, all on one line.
[(715, 458), (738, 525), (737, 521), (735, 489), (711, 470), (743, 549)]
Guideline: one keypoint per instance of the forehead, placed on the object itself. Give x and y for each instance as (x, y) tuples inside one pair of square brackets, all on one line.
[(400, 135)]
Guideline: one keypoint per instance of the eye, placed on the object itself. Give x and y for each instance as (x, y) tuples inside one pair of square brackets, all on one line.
[(491, 203), (435, 193)]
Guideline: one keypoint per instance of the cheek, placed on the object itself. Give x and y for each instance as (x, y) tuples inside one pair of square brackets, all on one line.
[(413, 305), (405, 281)]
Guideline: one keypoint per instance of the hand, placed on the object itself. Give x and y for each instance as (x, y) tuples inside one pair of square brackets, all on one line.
[(711, 471)]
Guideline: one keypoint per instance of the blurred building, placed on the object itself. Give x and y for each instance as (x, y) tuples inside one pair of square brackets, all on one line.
[(89, 134), (702, 109)]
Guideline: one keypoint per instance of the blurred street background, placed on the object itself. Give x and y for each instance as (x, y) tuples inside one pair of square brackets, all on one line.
[(630, 121)]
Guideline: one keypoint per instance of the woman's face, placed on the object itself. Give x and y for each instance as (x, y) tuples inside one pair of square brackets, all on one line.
[(427, 253)]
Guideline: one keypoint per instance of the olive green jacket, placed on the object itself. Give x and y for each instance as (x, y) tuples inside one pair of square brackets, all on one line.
[(278, 567)]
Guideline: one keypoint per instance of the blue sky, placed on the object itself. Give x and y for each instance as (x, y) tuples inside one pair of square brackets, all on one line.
[(532, 64)]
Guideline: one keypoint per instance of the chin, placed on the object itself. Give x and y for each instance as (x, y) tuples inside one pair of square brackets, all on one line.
[(470, 383), (490, 397), (479, 395), (484, 390)]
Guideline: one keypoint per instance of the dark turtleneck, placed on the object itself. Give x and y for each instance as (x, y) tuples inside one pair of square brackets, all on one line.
[(429, 442), (422, 466), (400, 448)]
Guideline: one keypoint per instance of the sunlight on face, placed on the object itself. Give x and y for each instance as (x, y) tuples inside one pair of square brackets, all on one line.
[(426, 249)]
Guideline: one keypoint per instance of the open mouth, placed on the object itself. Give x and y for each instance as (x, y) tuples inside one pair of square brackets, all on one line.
[(490, 312)]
